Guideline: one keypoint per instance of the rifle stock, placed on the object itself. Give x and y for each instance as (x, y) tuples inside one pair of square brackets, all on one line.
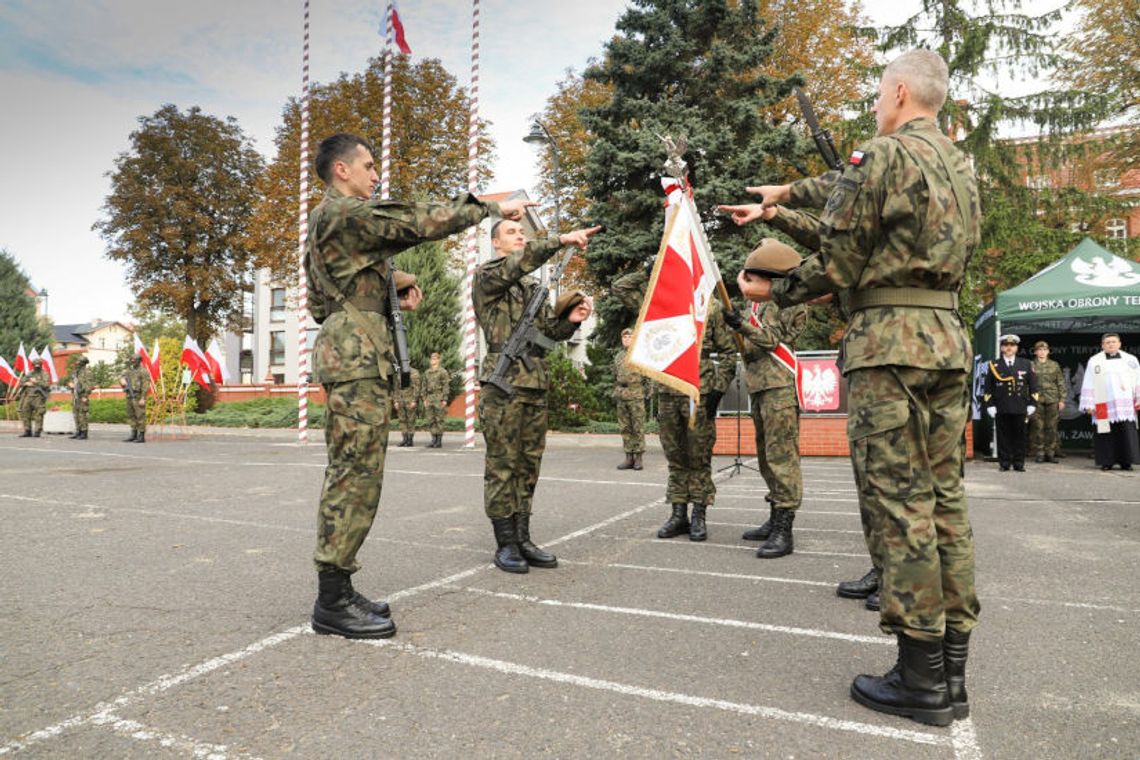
[(822, 137)]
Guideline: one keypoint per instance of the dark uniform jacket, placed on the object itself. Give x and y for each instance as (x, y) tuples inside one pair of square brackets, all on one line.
[(1010, 389)]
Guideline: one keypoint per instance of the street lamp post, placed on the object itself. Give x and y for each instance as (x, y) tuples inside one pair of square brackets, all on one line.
[(540, 135)]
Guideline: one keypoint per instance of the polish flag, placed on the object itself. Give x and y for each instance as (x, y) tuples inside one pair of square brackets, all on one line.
[(7, 376), (46, 359), (22, 365), (33, 357), (398, 29), (193, 358), (217, 363), (150, 364)]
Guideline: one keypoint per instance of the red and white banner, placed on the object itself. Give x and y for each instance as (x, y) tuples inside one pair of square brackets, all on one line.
[(818, 382), (667, 338), (7, 376), (193, 358), (150, 364), (217, 363), (398, 30), (33, 357), (49, 365), (23, 366)]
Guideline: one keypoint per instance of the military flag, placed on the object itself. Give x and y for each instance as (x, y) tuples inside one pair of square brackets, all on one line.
[(22, 364), (7, 376), (195, 360), (216, 362)]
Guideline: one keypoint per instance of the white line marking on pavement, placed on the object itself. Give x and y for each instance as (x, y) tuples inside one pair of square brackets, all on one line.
[(139, 732), (773, 713), (798, 528), (964, 740), (727, 622), (801, 511), (707, 573), (1076, 605), (751, 548)]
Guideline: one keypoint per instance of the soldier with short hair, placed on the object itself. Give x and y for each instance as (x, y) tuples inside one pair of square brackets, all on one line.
[(81, 384), (1051, 390), (352, 239), (136, 384), (897, 231), (33, 392), (436, 390), (407, 402), (629, 404), (514, 425)]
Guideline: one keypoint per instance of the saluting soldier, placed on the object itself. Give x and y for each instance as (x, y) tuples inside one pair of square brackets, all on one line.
[(81, 385), (407, 404), (514, 425), (136, 383), (1010, 395), (33, 392), (436, 394), (1051, 392), (629, 402), (769, 335), (898, 228), (352, 238)]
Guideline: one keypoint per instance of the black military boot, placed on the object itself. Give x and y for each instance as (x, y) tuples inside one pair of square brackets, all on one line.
[(860, 589), (1050, 458), (437, 442), (81, 436), (534, 555), (628, 463), (141, 437), (914, 688), (955, 648), (637, 461), (134, 435), (412, 440), (338, 611), (780, 542), (380, 608), (761, 533), (27, 433), (508, 557), (74, 435), (38, 433), (698, 530), (677, 523), (872, 601)]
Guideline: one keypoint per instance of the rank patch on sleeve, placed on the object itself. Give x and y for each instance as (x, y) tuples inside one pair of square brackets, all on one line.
[(857, 158)]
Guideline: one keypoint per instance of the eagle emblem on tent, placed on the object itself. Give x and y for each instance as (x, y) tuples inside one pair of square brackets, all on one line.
[(1113, 273)]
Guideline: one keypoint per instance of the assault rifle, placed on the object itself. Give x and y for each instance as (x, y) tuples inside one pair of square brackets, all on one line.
[(822, 137), (399, 330), (525, 334)]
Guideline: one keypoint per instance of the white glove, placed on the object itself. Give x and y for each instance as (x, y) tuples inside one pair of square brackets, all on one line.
[(1029, 410), (991, 411)]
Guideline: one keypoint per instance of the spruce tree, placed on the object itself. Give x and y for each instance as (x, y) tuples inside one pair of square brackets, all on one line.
[(434, 326), (18, 320), (683, 68)]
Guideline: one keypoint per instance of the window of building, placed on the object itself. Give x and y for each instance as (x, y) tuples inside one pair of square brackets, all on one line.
[(1037, 182), (277, 347), (277, 305), (311, 337), (1116, 229), (1107, 178), (278, 379)]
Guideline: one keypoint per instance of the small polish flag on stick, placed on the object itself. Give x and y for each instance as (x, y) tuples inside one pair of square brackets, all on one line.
[(46, 359), (150, 364), (217, 363), (22, 364), (7, 376), (193, 358)]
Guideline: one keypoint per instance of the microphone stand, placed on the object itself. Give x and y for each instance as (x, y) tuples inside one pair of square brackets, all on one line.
[(738, 463)]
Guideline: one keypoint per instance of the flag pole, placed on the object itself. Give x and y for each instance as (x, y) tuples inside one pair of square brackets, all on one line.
[(302, 239), (469, 342), (386, 131)]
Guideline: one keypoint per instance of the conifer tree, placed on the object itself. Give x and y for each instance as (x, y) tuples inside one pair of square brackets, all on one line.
[(434, 326)]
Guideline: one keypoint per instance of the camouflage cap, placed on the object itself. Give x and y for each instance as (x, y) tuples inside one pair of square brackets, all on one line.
[(1040, 344), (83, 360), (404, 280), (771, 259), (567, 301), (627, 331)]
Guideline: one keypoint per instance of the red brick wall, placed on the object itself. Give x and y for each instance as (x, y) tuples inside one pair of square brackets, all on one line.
[(819, 437)]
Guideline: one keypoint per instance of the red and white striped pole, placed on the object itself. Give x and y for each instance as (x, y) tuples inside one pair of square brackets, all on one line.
[(302, 237), (386, 132), (469, 344)]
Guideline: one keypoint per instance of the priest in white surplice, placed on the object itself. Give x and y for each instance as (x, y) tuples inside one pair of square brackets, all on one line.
[(1111, 394)]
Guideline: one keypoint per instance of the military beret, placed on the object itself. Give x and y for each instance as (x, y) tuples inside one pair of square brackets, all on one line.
[(567, 301), (1009, 338), (1040, 344), (404, 280), (771, 259)]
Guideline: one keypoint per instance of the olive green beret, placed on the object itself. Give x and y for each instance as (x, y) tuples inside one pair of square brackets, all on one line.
[(568, 301)]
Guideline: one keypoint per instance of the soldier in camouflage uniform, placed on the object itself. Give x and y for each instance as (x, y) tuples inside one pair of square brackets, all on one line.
[(407, 402), (1043, 433), (33, 392), (136, 383), (775, 406), (688, 451), (514, 425), (897, 231), (352, 238), (81, 385), (436, 394), (629, 401)]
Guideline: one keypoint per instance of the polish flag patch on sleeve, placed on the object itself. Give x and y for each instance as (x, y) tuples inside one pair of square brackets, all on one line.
[(857, 158)]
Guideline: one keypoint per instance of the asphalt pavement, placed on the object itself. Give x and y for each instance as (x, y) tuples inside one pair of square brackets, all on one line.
[(156, 601)]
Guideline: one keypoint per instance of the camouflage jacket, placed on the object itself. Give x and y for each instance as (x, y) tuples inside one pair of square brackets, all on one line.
[(35, 382), (716, 372), (762, 371), (628, 385), (500, 294), (411, 394), (892, 221), (436, 385), (351, 240), (1050, 381), (83, 382), (136, 382)]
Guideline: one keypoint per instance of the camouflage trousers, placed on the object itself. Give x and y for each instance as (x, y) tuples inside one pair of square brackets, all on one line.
[(631, 420), (776, 417), (688, 451), (32, 411), (407, 418), (514, 431), (136, 414), (80, 407), (1043, 430), (436, 412), (356, 437), (906, 427)]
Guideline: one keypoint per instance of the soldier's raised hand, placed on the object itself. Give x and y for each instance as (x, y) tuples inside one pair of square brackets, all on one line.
[(579, 238), (748, 212), (514, 209), (770, 195), (410, 298)]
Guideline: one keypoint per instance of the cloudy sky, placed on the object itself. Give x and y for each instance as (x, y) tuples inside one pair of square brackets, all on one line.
[(75, 76)]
